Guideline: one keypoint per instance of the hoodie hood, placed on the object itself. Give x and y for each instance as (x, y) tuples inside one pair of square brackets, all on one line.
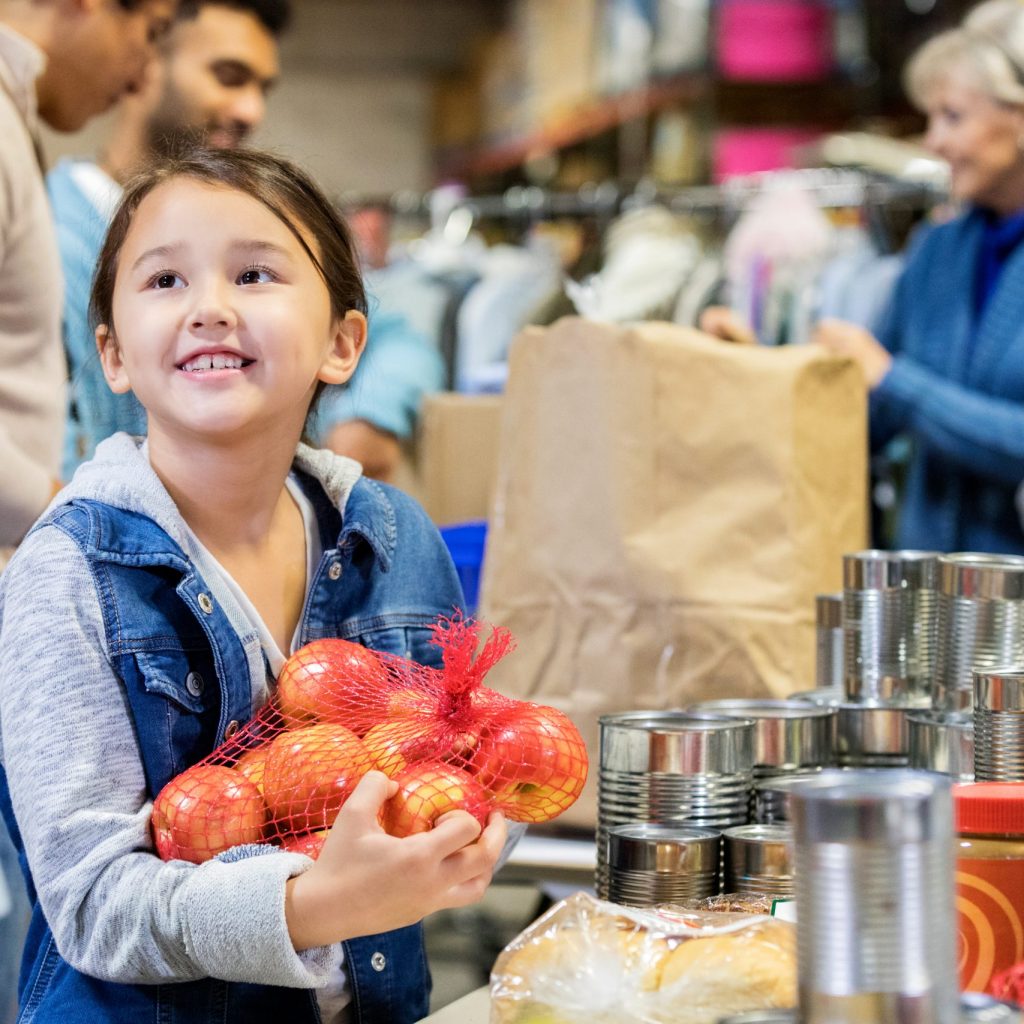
[(119, 474)]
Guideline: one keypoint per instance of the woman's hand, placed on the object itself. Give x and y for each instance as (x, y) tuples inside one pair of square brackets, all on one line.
[(366, 881), (845, 339), (723, 323)]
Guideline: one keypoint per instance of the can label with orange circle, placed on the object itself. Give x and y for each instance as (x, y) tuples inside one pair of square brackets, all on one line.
[(990, 912)]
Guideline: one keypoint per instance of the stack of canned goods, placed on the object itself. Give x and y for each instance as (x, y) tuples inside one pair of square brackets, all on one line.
[(674, 769), (917, 626), (980, 623), (932, 677)]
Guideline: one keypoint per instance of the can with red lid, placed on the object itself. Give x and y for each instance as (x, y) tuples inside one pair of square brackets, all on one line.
[(989, 880)]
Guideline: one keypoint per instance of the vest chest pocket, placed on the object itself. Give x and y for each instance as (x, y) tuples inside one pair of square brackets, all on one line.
[(175, 701), (407, 640)]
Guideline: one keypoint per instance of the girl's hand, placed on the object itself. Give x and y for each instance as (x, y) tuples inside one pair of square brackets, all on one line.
[(844, 339), (723, 323), (366, 881)]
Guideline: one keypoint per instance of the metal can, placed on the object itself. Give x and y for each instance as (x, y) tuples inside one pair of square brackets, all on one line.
[(889, 624), (874, 872), (828, 609), (652, 864), (980, 622), (759, 858), (771, 795), (788, 734), (999, 725), (941, 741), (825, 696), (870, 736)]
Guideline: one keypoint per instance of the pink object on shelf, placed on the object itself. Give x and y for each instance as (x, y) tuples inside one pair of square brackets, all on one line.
[(774, 40), (749, 150)]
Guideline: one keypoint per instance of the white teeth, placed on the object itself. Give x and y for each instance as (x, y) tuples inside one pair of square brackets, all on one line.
[(216, 362)]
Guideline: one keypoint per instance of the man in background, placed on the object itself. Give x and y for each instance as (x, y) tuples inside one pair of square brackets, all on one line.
[(62, 62), (217, 64)]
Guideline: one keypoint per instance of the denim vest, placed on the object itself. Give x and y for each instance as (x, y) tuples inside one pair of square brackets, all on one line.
[(384, 578)]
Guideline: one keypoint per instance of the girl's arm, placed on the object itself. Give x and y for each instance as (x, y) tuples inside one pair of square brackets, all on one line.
[(70, 752)]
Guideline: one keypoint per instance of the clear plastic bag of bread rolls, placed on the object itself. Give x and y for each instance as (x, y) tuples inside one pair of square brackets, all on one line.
[(590, 962), (733, 902)]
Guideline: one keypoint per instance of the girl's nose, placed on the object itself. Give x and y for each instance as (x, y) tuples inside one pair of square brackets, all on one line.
[(212, 313), (211, 318)]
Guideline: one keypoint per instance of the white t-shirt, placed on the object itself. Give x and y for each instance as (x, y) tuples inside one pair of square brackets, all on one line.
[(334, 997)]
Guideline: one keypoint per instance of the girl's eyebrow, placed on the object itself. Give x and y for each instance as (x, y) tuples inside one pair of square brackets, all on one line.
[(246, 245), (256, 245), (161, 252)]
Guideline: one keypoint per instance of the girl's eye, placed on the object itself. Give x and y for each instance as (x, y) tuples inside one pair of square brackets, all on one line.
[(256, 275), (166, 279)]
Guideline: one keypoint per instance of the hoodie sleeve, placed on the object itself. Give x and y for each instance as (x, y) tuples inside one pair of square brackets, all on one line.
[(77, 785)]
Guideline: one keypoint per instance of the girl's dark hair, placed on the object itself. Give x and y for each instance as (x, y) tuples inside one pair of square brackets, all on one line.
[(288, 192)]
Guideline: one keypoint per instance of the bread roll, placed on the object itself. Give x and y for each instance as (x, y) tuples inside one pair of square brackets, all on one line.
[(722, 974)]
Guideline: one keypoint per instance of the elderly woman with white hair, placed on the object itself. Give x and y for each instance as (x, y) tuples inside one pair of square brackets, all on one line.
[(947, 367)]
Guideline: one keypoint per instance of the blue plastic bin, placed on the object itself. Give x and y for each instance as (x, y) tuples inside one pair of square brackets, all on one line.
[(465, 542)]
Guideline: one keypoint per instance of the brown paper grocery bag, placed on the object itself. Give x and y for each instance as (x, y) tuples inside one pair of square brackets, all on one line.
[(667, 508)]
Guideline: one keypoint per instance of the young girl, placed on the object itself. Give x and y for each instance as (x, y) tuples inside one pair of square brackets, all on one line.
[(147, 613)]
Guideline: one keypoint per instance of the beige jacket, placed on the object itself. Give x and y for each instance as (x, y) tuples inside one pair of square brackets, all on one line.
[(32, 367)]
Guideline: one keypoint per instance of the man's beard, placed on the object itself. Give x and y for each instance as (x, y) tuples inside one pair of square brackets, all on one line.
[(170, 134)]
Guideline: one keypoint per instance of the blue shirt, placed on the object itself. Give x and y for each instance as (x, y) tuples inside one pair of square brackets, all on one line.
[(1000, 236)]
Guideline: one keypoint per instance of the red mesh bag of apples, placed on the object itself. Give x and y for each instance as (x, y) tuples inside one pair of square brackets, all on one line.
[(341, 710)]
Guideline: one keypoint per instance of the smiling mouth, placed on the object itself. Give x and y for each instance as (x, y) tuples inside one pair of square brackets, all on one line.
[(206, 363)]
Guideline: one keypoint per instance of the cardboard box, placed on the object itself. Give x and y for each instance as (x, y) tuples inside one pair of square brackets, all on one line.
[(559, 43), (458, 455)]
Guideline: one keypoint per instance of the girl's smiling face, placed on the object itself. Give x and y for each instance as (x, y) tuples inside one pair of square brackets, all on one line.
[(222, 324)]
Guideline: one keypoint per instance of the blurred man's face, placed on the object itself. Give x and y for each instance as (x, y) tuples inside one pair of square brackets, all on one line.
[(212, 85), (100, 55)]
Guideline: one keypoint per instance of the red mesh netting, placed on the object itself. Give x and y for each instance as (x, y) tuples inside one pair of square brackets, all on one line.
[(341, 710), (1009, 985)]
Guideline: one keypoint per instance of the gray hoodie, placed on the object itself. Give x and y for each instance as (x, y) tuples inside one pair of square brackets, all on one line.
[(75, 773)]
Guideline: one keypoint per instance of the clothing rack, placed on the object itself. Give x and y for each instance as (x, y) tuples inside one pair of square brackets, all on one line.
[(833, 188)]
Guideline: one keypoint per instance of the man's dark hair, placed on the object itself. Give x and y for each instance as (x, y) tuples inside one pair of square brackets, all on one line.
[(274, 14)]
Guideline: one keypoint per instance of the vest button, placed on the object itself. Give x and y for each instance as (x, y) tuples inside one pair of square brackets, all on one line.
[(378, 962), (205, 603), (334, 572), (231, 729), (195, 684)]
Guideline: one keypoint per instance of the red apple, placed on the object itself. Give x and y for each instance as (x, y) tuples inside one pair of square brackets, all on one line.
[(534, 761), (394, 745), (410, 702), (205, 811), (333, 681), (427, 791), (252, 765), (309, 774), (309, 843)]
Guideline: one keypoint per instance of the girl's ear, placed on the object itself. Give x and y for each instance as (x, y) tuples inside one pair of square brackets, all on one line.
[(110, 359), (348, 343)]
